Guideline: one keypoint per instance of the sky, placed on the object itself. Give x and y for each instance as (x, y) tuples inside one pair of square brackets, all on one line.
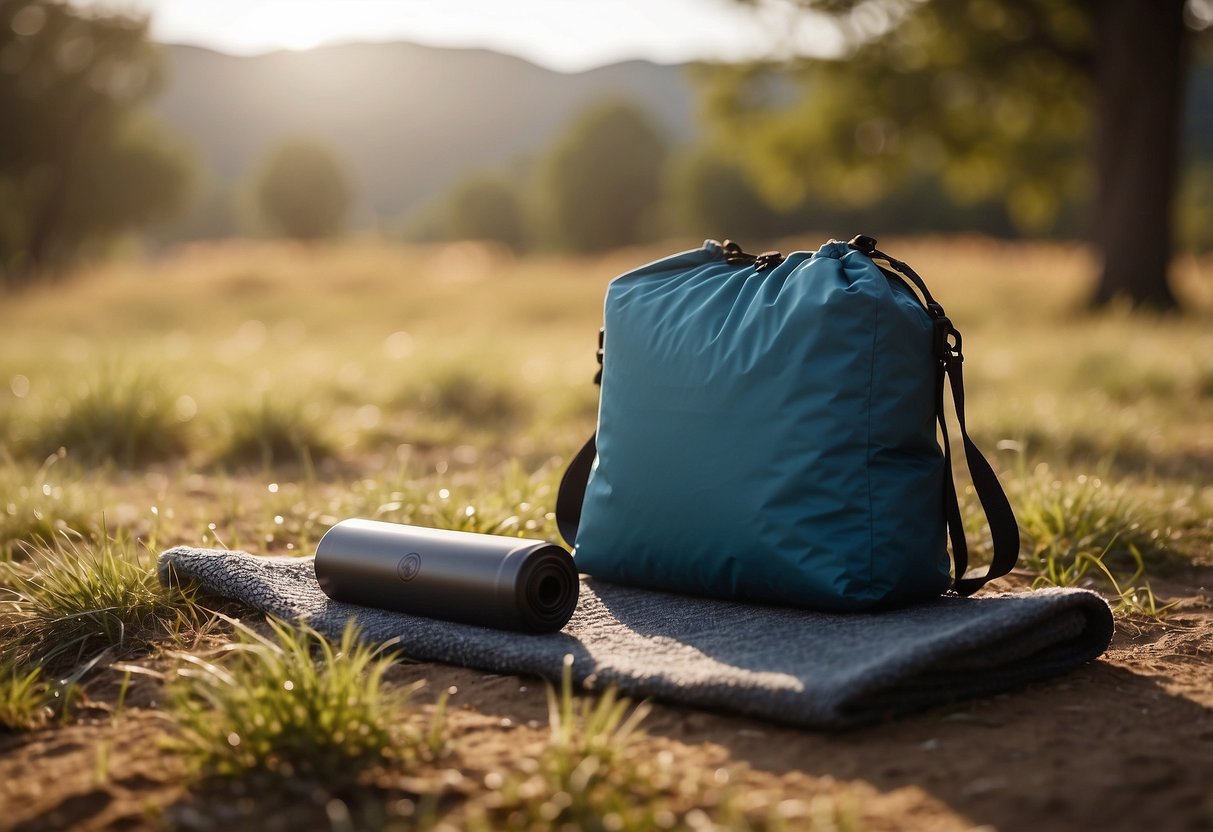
[(565, 35)]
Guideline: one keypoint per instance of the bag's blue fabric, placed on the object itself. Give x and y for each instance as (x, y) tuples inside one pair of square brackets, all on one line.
[(768, 434)]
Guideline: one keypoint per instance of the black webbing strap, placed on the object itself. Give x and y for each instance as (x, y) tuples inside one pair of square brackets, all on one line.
[(572, 490), (1004, 531)]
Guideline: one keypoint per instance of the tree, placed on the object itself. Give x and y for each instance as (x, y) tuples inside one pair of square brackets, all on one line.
[(602, 179), (486, 207), (992, 96), (303, 191), (708, 194), (79, 159)]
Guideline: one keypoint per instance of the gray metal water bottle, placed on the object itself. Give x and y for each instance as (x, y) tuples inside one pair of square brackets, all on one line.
[(491, 580)]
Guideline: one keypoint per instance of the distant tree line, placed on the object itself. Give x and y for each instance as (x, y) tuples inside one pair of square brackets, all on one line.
[(865, 146), (612, 179)]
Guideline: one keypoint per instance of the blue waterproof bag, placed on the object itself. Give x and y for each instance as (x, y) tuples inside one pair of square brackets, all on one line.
[(768, 431)]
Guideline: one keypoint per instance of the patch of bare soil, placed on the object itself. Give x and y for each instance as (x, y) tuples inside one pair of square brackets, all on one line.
[(1125, 742)]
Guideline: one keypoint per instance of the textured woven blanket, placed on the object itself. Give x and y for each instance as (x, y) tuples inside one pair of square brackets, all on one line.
[(820, 670)]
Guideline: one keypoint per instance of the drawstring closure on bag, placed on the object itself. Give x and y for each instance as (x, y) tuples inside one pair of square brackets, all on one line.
[(734, 256)]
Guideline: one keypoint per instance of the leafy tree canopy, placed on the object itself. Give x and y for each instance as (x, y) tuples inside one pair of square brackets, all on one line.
[(992, 98), (303, 191), (79, 159), (601, 181), (486, 207), (985, 95)]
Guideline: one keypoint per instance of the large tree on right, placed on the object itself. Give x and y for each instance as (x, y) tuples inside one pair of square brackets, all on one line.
[(993, 98)]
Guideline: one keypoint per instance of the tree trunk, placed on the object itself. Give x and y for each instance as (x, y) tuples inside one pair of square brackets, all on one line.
[(1140, 63)]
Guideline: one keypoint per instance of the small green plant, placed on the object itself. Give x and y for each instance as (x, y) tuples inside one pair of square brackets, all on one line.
[(435, 737), (1084, 530), (275, 431), (71, 601), (590, 776), (595, 774), (291, 704), (26, 699), (734, 813), (603, 730), (123, 415), (1062, 519)]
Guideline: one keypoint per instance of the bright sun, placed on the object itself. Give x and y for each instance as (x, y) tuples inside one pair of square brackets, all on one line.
[(284, 26)]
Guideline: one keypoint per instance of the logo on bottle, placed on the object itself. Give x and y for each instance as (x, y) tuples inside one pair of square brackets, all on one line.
[(409, 566)]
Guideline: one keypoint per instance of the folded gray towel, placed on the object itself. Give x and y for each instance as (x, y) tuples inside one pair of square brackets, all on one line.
[(815, 669)]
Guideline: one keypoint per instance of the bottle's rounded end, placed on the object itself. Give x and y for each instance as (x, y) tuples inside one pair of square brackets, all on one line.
[(547, 589)]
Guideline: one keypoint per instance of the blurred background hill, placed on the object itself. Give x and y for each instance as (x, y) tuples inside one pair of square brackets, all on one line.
[(411, 121), (408, 120)]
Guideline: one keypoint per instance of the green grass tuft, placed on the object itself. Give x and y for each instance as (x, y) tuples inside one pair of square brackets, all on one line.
[(68, 602), (290, 704), (471, 396), (597, 774), (1063, 519), (1086, 531), (26, 700), (124, 416), (590, 776), (275, 431), (1124, 380)]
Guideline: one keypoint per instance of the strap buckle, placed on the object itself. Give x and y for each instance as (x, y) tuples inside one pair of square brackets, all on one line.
[(599, 354), (952, 343), (863, 243), (947, 341)]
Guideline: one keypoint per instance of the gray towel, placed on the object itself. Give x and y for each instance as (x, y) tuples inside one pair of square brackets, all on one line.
[(820, 670)]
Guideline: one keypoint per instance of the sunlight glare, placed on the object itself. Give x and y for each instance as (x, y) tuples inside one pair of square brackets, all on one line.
[(558, 34), (305, 26)]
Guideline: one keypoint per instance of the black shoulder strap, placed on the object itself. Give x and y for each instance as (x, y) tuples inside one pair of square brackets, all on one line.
[(1004, 531), (572, 490), (571, 494)]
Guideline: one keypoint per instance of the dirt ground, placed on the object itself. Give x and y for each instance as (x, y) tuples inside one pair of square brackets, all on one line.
[(1125, 742)]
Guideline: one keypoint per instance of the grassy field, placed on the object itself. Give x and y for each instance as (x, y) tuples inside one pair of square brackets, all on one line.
[(249, 395)]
